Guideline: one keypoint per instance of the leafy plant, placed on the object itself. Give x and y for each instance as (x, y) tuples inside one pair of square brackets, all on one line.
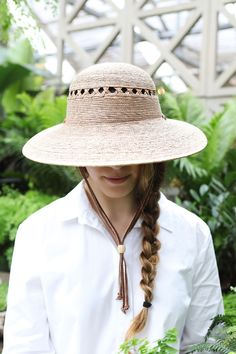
[(5, 21), (143, 346), (18, 72), (206, 182), (184, 106), (216, 205), (221, 337), (3, 296), (33, 114), (14, 208), (230, 307), (219, 129), (8, 19)]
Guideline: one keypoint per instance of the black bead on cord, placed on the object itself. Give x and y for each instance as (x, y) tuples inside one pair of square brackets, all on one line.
[(147, 304)]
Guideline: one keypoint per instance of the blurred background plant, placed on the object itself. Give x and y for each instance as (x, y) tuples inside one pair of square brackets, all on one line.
[(221, 338), (3, 296), (206, 182), (14, 208)]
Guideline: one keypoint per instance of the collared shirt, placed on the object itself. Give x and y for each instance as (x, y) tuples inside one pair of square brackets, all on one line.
[(64, 281)]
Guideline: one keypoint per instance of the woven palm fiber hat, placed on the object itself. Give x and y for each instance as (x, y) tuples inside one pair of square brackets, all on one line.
[(114, 118)]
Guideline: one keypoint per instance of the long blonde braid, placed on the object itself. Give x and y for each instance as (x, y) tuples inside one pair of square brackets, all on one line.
[(149, 256)]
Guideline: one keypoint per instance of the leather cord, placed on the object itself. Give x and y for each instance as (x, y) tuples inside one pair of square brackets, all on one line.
[(123, 280)]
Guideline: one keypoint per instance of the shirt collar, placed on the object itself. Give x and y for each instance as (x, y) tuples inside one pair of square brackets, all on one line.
[(76, 205)]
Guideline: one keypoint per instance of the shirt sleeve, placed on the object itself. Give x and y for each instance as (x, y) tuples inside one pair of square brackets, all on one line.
[(26, 329), (206, 300)]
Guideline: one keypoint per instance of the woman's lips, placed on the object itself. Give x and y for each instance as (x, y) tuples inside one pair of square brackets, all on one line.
[(116, 180)]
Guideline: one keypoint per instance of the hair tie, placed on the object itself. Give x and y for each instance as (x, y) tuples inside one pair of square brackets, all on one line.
[(147, 304)]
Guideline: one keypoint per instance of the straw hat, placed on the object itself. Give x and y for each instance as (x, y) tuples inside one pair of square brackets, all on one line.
[(114, 118)]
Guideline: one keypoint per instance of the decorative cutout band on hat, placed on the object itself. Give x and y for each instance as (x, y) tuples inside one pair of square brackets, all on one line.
[(104, 91)]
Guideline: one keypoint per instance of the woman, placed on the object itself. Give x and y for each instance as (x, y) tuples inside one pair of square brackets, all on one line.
[(114, 259)]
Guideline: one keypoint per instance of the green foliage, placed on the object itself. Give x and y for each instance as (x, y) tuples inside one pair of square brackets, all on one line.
[(25, 111), (219, 129), (221, 337), (230, 307), (9, 24), (5, 21), (207, 180), (3, 296), (216, 205), (143, 346), (32, 115), (17, 69), (221, 135), (14, 208), (183, 106)]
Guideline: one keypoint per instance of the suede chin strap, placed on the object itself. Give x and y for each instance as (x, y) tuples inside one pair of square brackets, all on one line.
[(123, 281)]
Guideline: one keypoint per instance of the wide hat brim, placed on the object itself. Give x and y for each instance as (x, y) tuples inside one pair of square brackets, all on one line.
[(138, 142)]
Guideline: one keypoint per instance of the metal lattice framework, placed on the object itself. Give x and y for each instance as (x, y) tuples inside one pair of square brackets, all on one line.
[(121, 25)]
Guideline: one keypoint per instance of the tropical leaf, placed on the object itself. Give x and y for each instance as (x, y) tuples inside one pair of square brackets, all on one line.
[(191, 166), (21, 52), (221, 134), (10, 73), (185, 107), (191, 109), (170, 106)]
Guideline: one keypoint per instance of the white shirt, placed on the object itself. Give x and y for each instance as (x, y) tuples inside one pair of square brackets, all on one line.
[(64, 281)]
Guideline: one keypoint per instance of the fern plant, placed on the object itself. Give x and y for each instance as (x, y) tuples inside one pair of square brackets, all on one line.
[(206, 182), (219, 129), (220, 338)]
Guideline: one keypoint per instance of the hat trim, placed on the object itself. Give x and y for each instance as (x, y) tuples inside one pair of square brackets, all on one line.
[(110, 91)]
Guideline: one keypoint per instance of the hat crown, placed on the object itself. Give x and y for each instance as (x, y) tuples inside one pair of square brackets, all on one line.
[(112, 74), (112, 93)]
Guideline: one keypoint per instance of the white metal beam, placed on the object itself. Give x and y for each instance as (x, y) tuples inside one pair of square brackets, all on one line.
[(101, 22), (168, 56), (75, 10), (134, 13), (127, 31), (157, 11), (108, 41)]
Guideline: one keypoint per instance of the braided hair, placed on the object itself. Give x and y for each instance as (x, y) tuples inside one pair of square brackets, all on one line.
[(149, 257)]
